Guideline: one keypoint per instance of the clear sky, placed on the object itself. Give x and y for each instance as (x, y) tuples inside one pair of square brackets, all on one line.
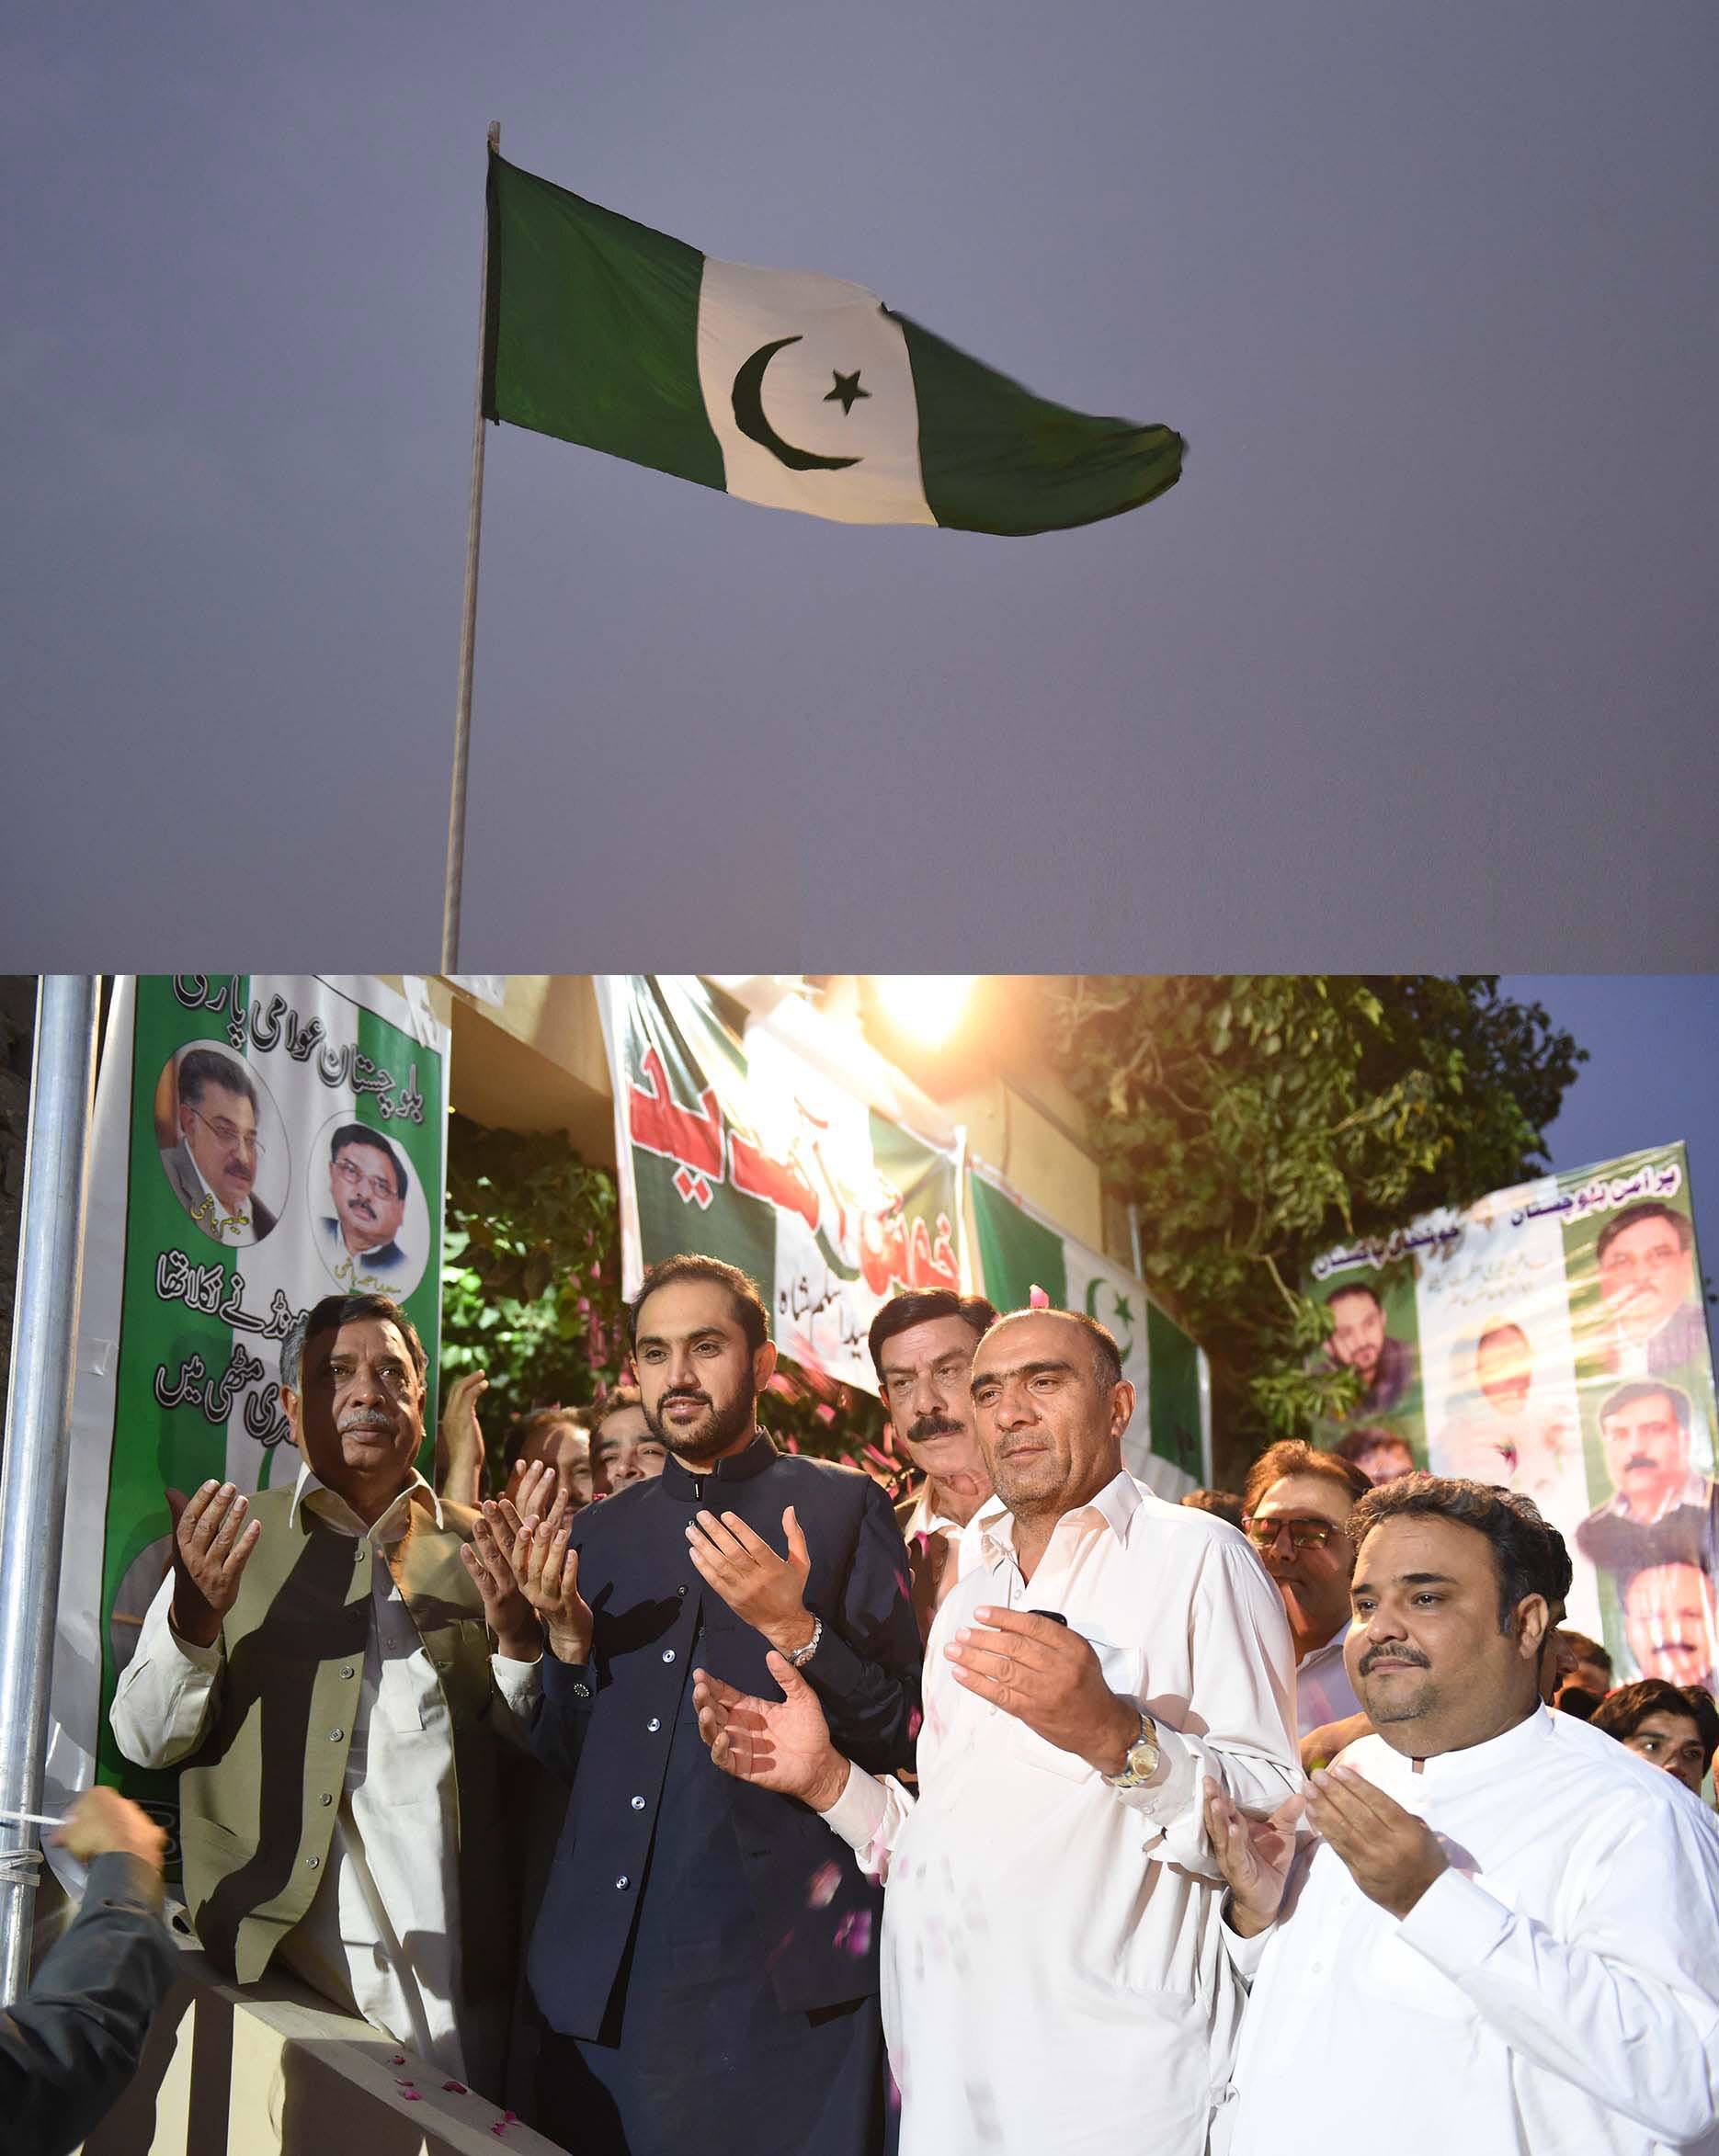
[(1418, 666), (1653, 1044)]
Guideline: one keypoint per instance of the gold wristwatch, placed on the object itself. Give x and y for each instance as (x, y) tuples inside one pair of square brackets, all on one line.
[(1140, 1762)]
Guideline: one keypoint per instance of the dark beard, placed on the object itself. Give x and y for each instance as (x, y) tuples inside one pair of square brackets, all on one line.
[(700, 1442)]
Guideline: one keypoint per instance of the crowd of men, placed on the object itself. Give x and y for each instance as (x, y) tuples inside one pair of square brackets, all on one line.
[(689, 1794)]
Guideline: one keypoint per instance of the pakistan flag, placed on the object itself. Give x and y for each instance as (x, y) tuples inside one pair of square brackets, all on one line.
[(1019, 1250), (792, 389)]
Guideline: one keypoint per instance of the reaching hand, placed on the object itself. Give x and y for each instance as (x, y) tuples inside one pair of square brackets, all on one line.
[(1254, 1855), (1392, 1855), (459, 1441), (211, 1547), (763, 1590), (545, 1569), (779, 1744), (102, 1820), (1047, 1676)]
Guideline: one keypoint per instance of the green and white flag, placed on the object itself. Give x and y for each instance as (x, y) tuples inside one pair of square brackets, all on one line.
[(788, 389), (1167, 1443)]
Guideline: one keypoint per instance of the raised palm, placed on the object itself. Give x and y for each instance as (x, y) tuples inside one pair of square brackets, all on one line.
[(781, 1744)]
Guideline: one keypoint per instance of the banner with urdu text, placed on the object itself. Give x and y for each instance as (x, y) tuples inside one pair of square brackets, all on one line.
[(1019, 1249), (1552, 1339), (731, 1144), (260, 1142)]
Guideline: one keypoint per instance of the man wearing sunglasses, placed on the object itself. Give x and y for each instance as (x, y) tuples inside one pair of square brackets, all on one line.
[(1295, 1508)]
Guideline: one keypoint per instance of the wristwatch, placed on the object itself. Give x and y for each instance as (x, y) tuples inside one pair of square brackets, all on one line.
[(801, 1655), (1140, 1762)]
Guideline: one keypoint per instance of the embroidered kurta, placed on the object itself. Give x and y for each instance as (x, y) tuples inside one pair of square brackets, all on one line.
[(1054, 1977)]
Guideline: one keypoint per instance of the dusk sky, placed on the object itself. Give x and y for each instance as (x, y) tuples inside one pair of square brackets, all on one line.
[(1416, 667)]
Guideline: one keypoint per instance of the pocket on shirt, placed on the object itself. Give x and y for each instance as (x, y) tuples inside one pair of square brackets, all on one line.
[(1037, 1750)]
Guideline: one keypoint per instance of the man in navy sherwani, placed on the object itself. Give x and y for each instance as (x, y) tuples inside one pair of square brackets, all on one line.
[(706, 1965)]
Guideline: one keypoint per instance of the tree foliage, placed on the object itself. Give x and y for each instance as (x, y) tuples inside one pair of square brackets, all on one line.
[(1254, 1119)]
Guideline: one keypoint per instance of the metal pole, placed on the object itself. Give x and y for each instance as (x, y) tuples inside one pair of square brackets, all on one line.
[(39, 1423), (1133, 1239), (468, 632)]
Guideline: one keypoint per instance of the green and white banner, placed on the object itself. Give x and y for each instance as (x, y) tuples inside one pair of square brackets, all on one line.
[(786, 387), (260, 1142), (731, 1144), (1166, 1443), (1552, 1339)]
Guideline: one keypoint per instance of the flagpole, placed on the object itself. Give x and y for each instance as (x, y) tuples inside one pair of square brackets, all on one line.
[(37, 1439), (468, 631)]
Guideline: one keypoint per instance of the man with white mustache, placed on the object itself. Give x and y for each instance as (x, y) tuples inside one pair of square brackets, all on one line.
[(319, 1664)]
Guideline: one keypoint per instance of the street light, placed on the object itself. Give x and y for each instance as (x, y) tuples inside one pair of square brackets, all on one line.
[(927, 1007)]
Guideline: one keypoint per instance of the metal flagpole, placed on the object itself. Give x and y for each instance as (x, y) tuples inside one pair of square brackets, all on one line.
[(38, 1422), (468, 632)]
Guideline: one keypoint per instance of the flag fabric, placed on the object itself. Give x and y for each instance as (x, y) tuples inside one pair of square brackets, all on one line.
[(788, 389), (1027, 1263)]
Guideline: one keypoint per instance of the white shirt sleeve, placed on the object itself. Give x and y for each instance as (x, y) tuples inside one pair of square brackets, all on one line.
[(1626, 2006), (1244, 1669), (162, 1703), (520, 1686), (869, 1815)]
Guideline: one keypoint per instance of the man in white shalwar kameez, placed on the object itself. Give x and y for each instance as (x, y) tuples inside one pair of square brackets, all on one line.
[(1055, 1978), (1506, 1936)]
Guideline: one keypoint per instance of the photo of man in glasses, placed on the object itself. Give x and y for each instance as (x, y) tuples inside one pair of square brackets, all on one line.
[(1295, 1508), (214, 1166), (368, 1183)]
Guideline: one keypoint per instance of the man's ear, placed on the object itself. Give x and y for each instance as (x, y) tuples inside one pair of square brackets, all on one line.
[(763, 1366), (185, 1118), (1121, 1406), (1533, 1622)]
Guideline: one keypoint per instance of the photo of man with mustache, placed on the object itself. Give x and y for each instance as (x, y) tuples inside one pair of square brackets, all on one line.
[(1664, 1512), (213, 1167), (368, 1183)]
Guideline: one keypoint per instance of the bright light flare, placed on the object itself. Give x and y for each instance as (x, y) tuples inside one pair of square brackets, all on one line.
[(928, 1006)]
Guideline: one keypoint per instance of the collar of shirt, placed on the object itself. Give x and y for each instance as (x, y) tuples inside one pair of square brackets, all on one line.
[(683, 1484), (1496, 1757), (922, 1520), (1114, 1505), (1317, 1657), (1698, 1491), (224, 1219), (333, 1511)]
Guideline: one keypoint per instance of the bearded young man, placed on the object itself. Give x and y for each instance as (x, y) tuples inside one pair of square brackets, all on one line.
[(1506, 1937), (696, 1944)]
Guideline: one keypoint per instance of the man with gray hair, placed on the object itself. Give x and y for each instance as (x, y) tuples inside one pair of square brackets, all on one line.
[(213, 1168), (319, 1666)]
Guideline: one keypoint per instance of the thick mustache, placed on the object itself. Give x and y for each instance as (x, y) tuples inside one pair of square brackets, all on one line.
[(1406, 1654), (364, 1418), (697, 1399), (1640, 1459), (933, 1427)]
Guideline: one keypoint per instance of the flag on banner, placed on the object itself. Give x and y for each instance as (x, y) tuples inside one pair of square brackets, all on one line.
[(1552, 1339), (791, 390), (1025, 1261), (259, 1142), (733, 1145)]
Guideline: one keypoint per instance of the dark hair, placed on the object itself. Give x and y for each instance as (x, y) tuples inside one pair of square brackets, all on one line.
[(357, 1134), (1355, 1287), (755, 1319), (1632, 1216), (1528, 1550), (1578, 1703), (329, 1315), (612, 1401), (1290, 1456), (1588, 1650), (536, 1421), (1107, 1357), (1225, 1504), (1622, 1712), (1368, 1439), (208, 1066), (901, 1313), (1645, 1388)]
